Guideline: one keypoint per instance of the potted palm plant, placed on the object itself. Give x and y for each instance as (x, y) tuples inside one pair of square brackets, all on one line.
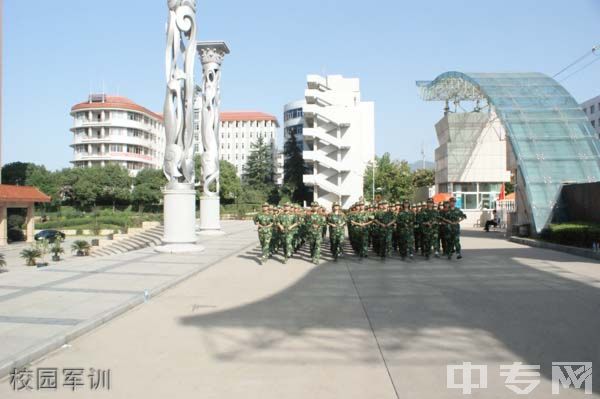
[(30, 255), (2, 263), (42, 246), (57, 249), (81, 247)]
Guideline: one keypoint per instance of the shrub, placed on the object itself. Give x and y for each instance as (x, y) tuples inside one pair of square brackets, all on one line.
[(15, 221), (81, 247), (579, 234), (30, 255), (2, 261), (16, 235)]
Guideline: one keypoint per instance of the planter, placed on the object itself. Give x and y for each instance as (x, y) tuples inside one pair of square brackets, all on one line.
[(80, 253), (55, 258), (42, 264), (524, 230), (95, 242)]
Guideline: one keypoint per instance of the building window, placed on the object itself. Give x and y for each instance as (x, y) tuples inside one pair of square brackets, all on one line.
[(592, 109), (593, 123)]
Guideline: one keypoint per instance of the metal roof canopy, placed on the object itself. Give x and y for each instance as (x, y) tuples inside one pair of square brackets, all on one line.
[(553, 140)]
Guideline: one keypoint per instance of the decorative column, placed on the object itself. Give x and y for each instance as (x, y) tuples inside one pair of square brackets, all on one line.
[(3, 226), (211, 55), (179, 193), (29, 222)]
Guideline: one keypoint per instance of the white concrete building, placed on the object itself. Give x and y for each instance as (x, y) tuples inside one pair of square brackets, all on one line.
[(591, 108), (115, 130), (338, 138), (470, 161), (238, 131)]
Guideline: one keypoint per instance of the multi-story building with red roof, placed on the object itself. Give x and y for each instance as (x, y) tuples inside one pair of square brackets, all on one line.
[(115, 130)]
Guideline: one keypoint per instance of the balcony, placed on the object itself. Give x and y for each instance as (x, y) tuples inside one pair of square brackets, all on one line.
[(106, 156)]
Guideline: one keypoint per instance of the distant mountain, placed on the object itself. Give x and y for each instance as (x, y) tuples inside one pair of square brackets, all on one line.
[(419, 165)]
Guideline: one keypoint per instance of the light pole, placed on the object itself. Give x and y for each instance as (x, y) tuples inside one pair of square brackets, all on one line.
[(373, 166)]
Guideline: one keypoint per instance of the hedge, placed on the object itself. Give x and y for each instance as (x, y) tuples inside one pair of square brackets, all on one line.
[(120, 220), (578, 234)]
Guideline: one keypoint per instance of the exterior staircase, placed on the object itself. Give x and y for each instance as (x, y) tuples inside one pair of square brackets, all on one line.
[(147, 238)]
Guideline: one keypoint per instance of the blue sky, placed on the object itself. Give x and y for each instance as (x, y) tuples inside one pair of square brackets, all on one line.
[(56, 51)]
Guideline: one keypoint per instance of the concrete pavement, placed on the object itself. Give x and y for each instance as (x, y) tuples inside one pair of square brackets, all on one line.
[(349, 329), (43, 308)]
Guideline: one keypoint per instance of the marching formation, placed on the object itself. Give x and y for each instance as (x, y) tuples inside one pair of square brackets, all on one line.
[(424, 228)]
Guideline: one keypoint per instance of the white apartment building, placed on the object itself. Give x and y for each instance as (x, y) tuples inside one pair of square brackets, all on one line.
[(238, 131), (470, 161), (115, 130), (338, 138), (591, 108)]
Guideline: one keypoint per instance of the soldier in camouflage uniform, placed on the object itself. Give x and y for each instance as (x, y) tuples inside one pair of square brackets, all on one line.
[(443, 225), (287, 223), (435, 228), (395, 209), (453, 217), (375, 228), (275, 234), (385, 221), (314, 224), (350, 226), (336, 221), (361, 224), (427, 220), (264, 221), (405, 224), (418, 235)]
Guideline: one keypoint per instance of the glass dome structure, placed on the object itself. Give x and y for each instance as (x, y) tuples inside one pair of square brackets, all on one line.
[(552, 139)]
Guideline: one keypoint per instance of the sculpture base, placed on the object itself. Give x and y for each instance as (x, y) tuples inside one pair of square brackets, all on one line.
[(179, 216), (179, 248), (210, 216)]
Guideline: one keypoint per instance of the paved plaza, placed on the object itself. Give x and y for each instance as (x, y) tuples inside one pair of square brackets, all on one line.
[(349, 329)]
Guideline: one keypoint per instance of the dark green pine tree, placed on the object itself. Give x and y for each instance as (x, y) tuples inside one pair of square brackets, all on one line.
[(294, 168), (259, 170)]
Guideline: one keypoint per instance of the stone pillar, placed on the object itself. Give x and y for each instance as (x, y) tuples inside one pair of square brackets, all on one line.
[(211, 55), (30, 223), (180, 193), (3, 226)]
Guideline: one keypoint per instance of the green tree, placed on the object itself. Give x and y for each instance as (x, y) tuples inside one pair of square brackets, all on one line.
[(423, 178), (16, 173), (259, 170), (106, 185), (230, 185), (147, 187), (46, 181), (294, 168), (114, 185), (393, 179)]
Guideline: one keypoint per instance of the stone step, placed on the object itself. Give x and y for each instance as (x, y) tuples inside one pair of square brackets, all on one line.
[(143, 239)]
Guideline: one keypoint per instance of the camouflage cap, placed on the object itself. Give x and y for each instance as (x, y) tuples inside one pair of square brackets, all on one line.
[(430, 200), (335, 204), (314, 204), (266, 204)]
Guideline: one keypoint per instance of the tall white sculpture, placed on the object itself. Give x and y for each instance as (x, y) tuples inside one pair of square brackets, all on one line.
[(211, 55), (180, 194)]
